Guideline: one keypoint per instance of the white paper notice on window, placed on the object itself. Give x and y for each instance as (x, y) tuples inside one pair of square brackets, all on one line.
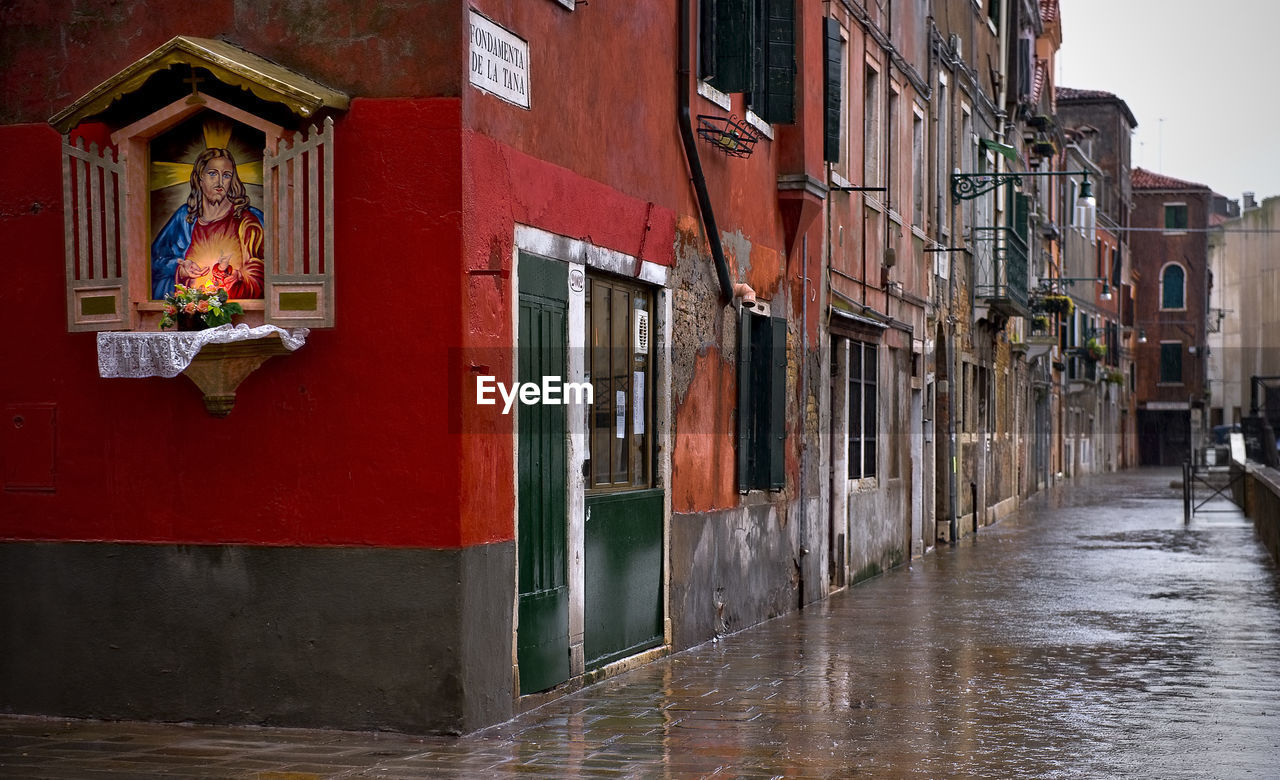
[(620, 413), (637, 395)]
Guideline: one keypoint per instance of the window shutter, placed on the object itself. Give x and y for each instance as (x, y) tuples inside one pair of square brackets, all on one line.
[(95, 238), (744, 401), (780, 62), (734, 45), (778, 405), (1020, 215), (1026, 58), (707, 39), (834, 87), (297, 194)]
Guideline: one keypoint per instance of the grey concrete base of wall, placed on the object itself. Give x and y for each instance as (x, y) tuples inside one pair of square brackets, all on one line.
[(1262, 505), (730, 569), (352, 638)]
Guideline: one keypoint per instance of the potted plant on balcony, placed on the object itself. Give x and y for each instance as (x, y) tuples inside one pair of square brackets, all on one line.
[(1044, 147), (1056, 303), (1094, 350)]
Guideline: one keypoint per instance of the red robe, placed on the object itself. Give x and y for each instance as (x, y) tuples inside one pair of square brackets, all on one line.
[(235, 242)]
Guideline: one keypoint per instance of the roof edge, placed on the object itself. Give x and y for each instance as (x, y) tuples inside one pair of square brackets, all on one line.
[(227, 62)]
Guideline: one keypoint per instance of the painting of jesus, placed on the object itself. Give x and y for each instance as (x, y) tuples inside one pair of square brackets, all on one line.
[(215, 237)]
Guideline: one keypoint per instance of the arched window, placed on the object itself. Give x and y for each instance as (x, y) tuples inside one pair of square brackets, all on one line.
[(1173, 287)]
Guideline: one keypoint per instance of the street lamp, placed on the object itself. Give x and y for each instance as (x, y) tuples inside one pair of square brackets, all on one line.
[(967, 186), (1087, 215)]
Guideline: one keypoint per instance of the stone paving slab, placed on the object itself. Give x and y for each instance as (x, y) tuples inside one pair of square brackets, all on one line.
[(1092, 634)]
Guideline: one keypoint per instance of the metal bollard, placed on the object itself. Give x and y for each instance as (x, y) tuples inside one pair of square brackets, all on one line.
[(1186, 491)]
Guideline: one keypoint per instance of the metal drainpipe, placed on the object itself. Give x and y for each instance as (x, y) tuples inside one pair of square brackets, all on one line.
[(804, 407), (691, 154), (953, 378)]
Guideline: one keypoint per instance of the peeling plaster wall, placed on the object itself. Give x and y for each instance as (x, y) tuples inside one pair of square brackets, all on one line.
[(877, 534), (730, 569), (735, 559)]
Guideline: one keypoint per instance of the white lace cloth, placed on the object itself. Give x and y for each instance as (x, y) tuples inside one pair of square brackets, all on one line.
[(134, 355)]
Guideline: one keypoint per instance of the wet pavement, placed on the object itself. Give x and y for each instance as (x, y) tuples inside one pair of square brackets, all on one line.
[(1091, 635)]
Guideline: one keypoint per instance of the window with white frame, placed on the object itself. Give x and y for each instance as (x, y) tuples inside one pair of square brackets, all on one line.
[(1173, 287), (942, 164), (917, 167), (863, 410), (871, 129), (1175, 217), (891, 146)]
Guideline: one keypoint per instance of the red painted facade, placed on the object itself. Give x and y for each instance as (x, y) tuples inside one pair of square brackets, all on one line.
[(352, 440)]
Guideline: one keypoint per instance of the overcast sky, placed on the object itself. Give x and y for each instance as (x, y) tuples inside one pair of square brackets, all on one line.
[(1205, 68)]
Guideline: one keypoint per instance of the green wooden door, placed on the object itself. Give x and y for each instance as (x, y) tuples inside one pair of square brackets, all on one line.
[(542, 636)]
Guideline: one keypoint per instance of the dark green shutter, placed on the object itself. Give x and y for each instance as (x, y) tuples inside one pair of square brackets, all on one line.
[(1171, 362), (734, 45), (780, 62), (778, 405), (834, 87), (744, 401), (1021, 215), (706, 39)]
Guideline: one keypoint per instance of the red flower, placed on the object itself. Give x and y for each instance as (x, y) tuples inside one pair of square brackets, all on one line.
[(190, 308)]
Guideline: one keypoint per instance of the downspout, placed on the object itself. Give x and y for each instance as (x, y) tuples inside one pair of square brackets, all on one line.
[(804, 408), (953, 379), (683, 77)]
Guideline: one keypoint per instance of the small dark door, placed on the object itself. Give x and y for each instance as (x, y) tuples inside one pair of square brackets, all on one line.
[(542, 635)]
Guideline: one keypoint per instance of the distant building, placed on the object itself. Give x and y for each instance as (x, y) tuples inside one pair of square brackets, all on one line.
[(1244, 315), (1099, 126), (1171, 264)]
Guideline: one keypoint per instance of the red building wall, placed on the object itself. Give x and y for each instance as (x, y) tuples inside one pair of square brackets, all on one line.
[(343, 442)]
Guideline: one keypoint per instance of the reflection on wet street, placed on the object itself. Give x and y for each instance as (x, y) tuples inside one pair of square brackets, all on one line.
[(1091, 635)]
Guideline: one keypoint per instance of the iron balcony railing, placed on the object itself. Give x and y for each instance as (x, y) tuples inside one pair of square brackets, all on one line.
[(1001, 262)]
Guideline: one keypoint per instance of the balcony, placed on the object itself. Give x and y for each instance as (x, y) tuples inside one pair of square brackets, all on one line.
[(1000, 271)]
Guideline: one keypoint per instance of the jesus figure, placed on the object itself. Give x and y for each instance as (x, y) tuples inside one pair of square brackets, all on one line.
[(214, 238)]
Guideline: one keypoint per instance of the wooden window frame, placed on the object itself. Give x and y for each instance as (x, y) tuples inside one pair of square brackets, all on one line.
[(605, 393), (861, 433)]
